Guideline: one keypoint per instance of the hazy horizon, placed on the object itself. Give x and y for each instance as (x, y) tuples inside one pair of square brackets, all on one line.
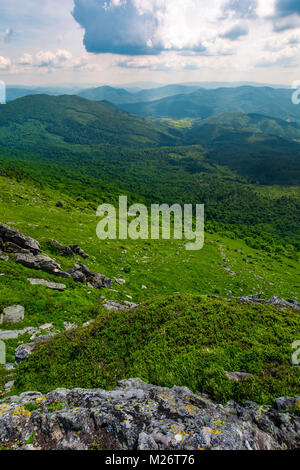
[(149, 85)]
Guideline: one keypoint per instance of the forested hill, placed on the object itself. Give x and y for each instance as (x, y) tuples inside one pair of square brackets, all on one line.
[(95, 152)]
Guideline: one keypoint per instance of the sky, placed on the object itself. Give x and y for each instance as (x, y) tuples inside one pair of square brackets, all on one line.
[(165, 41)]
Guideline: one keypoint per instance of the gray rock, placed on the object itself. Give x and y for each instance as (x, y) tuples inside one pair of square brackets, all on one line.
[(10, 334), (78, 276), (13, 334), (11, 235), (113, 305), (79, 251), (70, 250), (238, 376), (49, 285), (70, 326), (138, 416), (288, 403), (81, 273), (64, 250), (276, 301), (13, 314), (99, 281), (121, 282), (252, 298), (9, 386), (23, 351), (279, 302), (229, 271), (41, 263)]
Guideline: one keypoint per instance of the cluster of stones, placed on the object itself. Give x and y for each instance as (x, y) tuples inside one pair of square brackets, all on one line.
[(27, 252)]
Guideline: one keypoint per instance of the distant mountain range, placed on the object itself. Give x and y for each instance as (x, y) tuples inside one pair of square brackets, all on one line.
[(205, 103), (122, 96), (260, 148)]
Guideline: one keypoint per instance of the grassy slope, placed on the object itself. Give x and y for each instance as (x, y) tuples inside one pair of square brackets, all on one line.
[(220, 336), (78, 145), (184, 340), (164, 267)]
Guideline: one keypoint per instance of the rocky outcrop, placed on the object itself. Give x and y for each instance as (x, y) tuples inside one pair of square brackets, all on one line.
[(69, 250), (12, 241), (277, 301), (27, 252), (81, 273), (23, 351), (41, 263), (138, 416)]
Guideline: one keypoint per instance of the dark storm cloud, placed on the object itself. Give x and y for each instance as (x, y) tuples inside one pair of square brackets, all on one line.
[(118, 28), (287, 7)]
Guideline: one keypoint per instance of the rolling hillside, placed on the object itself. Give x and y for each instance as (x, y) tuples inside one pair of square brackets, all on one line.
[(103, 151), (208, 130), (205, 103)]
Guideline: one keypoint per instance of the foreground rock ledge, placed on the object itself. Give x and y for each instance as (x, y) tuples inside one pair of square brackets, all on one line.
[(137, 416)]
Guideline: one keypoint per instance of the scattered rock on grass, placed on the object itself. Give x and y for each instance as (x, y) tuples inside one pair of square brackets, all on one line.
[(13, 314), (69, 250), (23, 351), (10, 235), (238, 376), (9, 386), (119, 281), (49, 285), (113, 305), (81, 273), (41, 263), (276, 301)]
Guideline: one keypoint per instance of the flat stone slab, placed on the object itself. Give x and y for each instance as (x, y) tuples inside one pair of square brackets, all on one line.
[(14, 334), (10, 334), (49, 285)]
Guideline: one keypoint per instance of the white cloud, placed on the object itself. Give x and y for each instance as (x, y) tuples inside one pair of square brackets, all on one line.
[(5, 64), (142, 27), (235, 37), (53, 59), (46, 62), (26, 59)]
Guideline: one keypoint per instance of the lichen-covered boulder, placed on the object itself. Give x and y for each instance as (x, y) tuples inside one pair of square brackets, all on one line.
[(138, 416)]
